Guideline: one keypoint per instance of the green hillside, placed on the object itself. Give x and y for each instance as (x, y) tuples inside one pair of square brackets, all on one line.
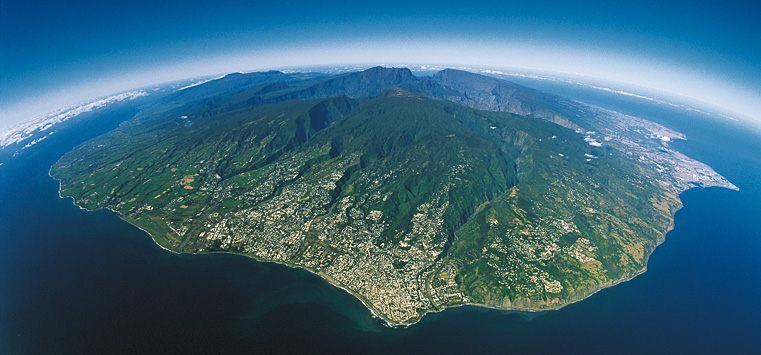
[(410, 202)]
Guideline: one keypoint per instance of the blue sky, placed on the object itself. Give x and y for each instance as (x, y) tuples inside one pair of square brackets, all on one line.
[(55, 53)]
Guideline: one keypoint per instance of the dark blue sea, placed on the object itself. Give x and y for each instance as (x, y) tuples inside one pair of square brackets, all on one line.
[(78, 282)]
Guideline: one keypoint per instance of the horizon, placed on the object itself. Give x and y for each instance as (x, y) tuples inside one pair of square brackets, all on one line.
[(56, 55), (615, 87)]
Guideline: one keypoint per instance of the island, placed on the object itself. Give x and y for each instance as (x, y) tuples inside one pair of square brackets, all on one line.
[(414, 194)]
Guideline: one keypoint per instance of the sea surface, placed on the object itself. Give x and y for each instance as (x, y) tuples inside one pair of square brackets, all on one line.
[(80, 282)]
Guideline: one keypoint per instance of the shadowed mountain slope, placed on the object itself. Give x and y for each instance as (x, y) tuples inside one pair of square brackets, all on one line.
[(413, 194)]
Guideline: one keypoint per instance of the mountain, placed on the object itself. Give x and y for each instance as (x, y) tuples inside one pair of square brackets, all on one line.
[(488, 93), (415, 194)]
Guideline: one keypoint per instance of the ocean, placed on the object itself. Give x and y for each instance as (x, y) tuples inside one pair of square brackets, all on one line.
[(80, 282)]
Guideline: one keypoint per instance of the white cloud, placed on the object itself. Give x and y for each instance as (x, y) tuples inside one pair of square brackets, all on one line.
[(24, 130), (673, 78)]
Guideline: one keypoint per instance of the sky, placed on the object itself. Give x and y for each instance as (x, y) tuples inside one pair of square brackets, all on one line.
[(58, 53)]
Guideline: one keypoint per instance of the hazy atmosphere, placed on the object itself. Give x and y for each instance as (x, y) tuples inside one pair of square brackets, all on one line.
[(56, 54), (399, 177)]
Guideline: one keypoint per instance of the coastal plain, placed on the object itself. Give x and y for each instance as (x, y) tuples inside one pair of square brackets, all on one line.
[(413, 193)]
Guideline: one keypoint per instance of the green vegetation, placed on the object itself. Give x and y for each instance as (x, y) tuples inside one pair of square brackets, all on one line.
[(412, 203)]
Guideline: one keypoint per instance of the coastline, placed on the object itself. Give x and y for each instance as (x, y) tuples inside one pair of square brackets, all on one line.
[(373, 311)]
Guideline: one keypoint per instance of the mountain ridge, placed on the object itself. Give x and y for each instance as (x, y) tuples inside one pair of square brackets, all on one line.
[(411, 201)]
